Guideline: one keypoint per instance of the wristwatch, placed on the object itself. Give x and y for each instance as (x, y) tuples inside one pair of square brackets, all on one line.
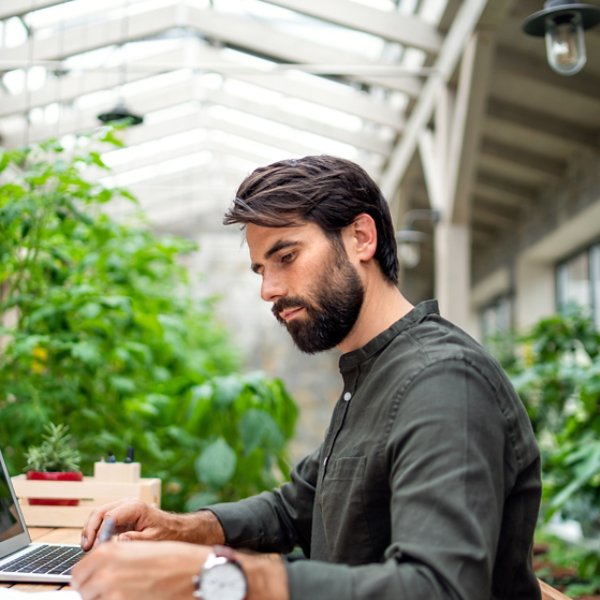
[(221, 577)]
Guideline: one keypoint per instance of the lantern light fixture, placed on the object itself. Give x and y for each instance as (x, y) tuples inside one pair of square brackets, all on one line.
[(409, 240), (562, 23)]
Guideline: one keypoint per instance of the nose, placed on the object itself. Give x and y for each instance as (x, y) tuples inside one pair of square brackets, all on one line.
[(273, 287)]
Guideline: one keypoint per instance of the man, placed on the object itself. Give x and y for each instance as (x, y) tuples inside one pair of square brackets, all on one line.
[(427, 484)]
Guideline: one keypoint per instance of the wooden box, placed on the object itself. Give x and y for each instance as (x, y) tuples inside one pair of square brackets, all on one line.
[(107, 485)]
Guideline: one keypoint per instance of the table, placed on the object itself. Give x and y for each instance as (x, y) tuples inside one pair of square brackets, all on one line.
[(61, 535)]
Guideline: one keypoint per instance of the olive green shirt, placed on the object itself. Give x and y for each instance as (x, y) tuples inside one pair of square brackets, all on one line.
[(426, 486)]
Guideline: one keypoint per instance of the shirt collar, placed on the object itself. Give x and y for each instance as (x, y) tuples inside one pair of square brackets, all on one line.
[(351, 360)]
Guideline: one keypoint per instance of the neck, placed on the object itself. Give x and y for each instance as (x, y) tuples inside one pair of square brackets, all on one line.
[(383, 305)]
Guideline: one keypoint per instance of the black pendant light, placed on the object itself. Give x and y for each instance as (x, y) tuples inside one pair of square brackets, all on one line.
[(562, 23), (121, 113)]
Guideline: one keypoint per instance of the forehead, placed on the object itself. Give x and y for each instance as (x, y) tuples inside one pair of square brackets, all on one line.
[(262, 239)]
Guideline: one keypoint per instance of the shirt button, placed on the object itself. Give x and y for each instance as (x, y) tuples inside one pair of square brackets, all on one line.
[(325, 461), (347, 396)]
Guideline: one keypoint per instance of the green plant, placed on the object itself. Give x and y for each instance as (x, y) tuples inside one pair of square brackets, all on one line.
[(555, 367), (55, 453), (571, 567), (99, 330)]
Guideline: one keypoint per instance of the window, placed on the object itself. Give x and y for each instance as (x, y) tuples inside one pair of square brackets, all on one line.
[(578, 281), (497, 316)]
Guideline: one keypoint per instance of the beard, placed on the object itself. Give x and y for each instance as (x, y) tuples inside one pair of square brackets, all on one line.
[(332, 306)]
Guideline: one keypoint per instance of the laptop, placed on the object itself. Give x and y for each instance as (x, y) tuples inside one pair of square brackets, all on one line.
[(20, 559)]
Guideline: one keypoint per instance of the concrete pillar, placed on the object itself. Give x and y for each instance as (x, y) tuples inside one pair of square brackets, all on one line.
[(453, 272), (534, 283)]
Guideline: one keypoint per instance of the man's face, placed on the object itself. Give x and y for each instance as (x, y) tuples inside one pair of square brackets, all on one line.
[(315, 290)]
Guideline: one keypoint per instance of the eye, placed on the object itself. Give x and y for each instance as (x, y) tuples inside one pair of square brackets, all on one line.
[(288, 257)]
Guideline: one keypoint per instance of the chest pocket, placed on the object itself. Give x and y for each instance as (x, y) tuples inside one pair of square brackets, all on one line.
[(344, 510), (346, 468)]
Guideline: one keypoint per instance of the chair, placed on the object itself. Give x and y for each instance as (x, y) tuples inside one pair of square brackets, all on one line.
[(549, 593)]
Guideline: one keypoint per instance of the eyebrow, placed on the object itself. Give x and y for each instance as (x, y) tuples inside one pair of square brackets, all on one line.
[(276, 247)]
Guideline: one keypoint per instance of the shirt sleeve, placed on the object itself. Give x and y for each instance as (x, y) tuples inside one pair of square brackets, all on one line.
[(274, 521), (446, 450)]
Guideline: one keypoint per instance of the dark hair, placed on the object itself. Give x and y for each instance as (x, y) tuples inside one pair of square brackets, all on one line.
[(330, 192)]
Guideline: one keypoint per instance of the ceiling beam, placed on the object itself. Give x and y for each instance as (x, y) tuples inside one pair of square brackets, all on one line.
[(526, 80), (205, 124), (354, 102), (196, 56), (239, 32), (494, 218), (280, 45), (540, 122), (80, 121), (79, 83), (364, 139), (496, 200), (500, 187), (460, 31), (83, 38), (548, 167), (536, 68), (18, 8), (404, 29), (469, 109)]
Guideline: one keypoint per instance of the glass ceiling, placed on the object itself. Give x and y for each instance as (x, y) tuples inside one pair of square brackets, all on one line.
[(223, 85)]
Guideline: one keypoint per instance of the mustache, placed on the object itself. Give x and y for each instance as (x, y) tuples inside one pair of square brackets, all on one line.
[(288, 302)]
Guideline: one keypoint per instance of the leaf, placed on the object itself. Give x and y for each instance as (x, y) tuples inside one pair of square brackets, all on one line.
[(87, 353), (584, 471), (200, 500), (216, 464), (90, 310), (124, 385), (227, 389), (258, 429)]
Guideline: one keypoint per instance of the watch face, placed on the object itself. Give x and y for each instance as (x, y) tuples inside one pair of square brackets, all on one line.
[(223, 582)]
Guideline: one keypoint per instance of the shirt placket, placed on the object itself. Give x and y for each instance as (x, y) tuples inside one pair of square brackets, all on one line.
[(338, 420)]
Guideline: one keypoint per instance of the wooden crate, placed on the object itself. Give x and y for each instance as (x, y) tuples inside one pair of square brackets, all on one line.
[(91, 492)]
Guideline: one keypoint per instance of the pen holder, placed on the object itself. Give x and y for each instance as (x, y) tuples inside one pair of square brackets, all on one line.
[(118, 471)]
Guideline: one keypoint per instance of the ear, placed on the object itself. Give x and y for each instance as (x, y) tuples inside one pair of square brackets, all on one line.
[(363, 237)]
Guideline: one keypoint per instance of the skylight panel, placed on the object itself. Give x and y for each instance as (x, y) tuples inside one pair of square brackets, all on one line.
[(163, 168), (14, 32), (324, 114)]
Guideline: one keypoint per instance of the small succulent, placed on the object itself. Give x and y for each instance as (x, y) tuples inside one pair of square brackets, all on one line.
[(55, 453)]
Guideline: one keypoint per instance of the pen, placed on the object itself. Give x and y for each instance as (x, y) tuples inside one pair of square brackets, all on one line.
[(106, 530)]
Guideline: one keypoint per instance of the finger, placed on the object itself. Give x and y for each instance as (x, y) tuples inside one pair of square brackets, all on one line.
[(91, 527), (94, 522)]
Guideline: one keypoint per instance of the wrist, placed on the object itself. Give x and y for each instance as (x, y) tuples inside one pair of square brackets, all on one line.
[(201, 527), (266, 576)]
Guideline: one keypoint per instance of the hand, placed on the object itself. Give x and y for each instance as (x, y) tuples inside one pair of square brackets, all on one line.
[(165, 570), (139, 570), (132, 519), (136, 520)]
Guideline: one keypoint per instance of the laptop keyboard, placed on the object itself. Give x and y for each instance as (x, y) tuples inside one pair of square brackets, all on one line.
[(51, 560)]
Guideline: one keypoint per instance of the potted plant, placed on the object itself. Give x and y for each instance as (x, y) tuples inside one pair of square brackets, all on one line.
[(54, 459)]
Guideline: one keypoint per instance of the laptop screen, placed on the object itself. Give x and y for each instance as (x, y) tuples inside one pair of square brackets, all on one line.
[(9, 518), (13, 533)]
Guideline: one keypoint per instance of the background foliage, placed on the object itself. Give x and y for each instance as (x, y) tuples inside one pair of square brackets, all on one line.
[(555, 367), (99, 330)]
